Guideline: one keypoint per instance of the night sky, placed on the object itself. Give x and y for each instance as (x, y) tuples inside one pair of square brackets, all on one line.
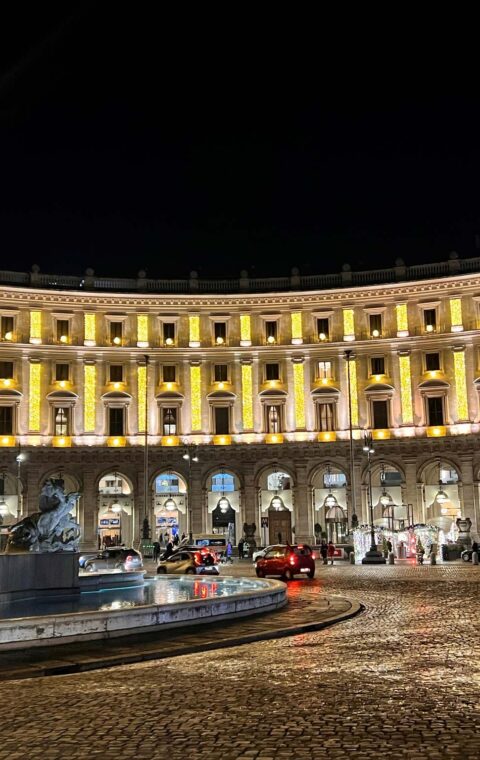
[(132, 141)]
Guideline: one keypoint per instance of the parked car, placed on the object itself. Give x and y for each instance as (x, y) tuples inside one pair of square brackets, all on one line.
[(202, 549), (287, 561), (188, 563), (114, 558), (466, 555), (259, 553)]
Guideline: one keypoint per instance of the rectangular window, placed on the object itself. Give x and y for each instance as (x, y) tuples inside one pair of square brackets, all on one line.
[(221, 373), (380, 414), (6, 370), (115, 421), (271, 332), (62, 372), (272, 372), (375, 325), (326, 417), (323, 328), (324, 370), (116, 333), (430, 320), (169, 333), (432, 362), (116, 373), (169, 373), (7, 328), (6, 420), (63, 330), (222, 426), (61, 421), (220, 332), (435, 410), (169, 421), (273, 419), (378, 365)]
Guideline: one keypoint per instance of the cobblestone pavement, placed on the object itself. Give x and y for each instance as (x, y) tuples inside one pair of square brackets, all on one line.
[(402, 679)]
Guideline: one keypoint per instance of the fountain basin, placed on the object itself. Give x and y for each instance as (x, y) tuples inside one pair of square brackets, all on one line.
[(178, 602)]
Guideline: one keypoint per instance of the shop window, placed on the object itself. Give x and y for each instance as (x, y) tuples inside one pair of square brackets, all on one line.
[(323, 328), (377, 365), (334, 480), (325, 417), (116, 373), (116, 421), (167, 483), (169, 421), (221, 373), (63, 330), (271, 332), (432, 362), (6, 420), (222, 482), (375, 325), (116, 333), (7, 328), (380, 415), (221, 420), (324, 370), (272, 372), (435, 415), (220, 333), (169, 333), (6, 370), (169, 373), (61, 421), (273, 418), (430, 320), (278, 481), (62, 372)]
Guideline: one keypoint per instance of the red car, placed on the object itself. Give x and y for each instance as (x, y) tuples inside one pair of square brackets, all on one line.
[(287, 561)]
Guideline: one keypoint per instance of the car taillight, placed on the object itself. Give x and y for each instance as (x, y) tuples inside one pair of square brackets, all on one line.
[(292, 559), (313, 555), (198, 558), (128, 558)]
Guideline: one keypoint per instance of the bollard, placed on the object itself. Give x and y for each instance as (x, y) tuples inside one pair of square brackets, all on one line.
[(475, 558), (433, 559), (391, 558), (351, 558)]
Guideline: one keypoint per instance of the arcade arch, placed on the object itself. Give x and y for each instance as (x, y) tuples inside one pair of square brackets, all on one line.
[(170, 505), (223, 504), (275, 487), (115, 510), (329, 497)]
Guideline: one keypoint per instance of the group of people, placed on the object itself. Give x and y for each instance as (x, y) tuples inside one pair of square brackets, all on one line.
[(327, 552), (171, 544)]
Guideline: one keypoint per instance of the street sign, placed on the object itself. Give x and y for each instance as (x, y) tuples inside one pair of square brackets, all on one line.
[(264, 522)]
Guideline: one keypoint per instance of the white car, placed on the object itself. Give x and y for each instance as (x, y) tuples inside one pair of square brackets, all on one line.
[(260, 553)]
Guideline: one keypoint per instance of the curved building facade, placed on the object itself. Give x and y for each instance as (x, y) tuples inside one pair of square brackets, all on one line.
[(207, 405)]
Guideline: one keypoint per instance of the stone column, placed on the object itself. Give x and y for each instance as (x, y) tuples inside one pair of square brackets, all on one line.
[(249, 501), (468, 506), (88, 517), (303, 521), (30, 487), (196, 502)]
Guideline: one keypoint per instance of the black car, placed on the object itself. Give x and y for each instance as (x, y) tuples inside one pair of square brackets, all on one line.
[(467, 554)]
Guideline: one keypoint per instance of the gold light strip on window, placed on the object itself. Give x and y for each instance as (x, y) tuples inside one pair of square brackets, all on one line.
[(247, 396), (89, 405), (456, 312), (299, 395), (245, 327), (34, 397), (142, 328), (89, 327), (36, 325), (406, 390), (348, 322), (353, 390), (196, 396), (194, 329), (461, 384), (402, 317), (141, 396), (296, 325)]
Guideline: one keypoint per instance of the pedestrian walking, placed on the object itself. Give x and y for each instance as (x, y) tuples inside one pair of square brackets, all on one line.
[(389, 546), (168, 551), (156, 551), (240, 548), (229, 551), (331, 551), (160, 538), (183, 536), (324, 551)]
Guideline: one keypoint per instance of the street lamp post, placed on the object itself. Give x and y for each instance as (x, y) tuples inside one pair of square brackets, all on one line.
[(19, 459), (190, 456), (146, 500), (373, 556), (348, 357)]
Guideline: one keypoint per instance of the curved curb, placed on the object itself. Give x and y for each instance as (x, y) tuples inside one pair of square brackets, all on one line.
[(136, 657)]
